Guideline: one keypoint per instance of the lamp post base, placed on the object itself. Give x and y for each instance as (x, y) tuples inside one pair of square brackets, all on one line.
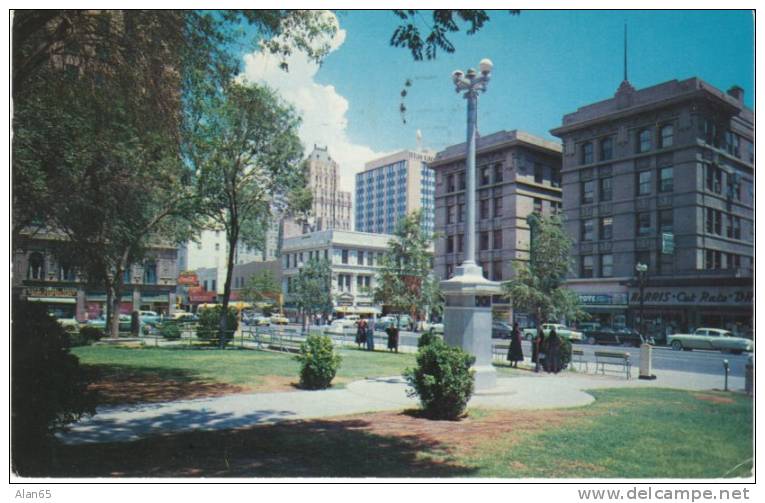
[(467, 319)]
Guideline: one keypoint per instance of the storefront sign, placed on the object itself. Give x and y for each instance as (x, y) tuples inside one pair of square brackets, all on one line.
[(51, 292), (667, 243), (188, 279), (603, 299), (727, 296), (200, 295)]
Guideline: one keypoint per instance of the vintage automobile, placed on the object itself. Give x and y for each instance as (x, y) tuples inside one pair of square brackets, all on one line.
[(150, 318), (125, 323), (618, 336), (710, 338), (278, 319), (562, 330), (341, 327), (501, 330)]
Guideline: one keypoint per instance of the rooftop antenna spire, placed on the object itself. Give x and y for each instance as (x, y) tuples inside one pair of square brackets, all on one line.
[(625, 51)]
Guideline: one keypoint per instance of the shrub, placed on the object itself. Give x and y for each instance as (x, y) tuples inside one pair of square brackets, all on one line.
[(442, 379), (318, 362), (426, 338), (565, 353), (170, 331), (48, 386), (91, 334), (209, 324)]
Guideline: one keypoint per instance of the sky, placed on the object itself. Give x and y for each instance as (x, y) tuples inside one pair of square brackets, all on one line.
[(546, 64)]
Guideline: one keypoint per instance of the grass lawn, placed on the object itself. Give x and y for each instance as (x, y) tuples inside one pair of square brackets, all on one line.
[(133, 375), (626, 433)]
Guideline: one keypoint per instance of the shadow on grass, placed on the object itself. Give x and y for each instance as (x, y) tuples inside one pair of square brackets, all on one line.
[(129, 384), (310, 448)]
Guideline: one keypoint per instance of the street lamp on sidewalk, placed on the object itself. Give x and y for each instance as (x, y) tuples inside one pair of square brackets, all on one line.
[(642, 273), (645, 348), (467, 314)]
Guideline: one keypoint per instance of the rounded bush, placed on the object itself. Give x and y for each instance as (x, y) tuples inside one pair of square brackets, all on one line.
[(318, 362), (426, 338), (209, 324), (86, 336), (170, 331), (442, 379)]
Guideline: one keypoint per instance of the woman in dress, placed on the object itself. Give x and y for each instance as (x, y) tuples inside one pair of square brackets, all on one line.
[(515, 353)]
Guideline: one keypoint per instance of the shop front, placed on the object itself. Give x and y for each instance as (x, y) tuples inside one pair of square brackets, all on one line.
[(59, 302), (95, 304), (605, 309)]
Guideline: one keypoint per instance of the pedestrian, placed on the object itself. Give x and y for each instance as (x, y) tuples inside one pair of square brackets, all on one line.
[(553, 351), (370, 328), (537, 348), (361, 333), (515, 352), (392, 338)]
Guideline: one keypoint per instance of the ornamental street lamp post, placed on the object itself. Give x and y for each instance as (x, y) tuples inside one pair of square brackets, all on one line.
[(467, 314), (645, 348)]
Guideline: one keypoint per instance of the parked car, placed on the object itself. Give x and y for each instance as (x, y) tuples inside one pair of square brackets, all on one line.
[(562, 330), (69, 324), (619, 336), (710, 338), (438, 328), (260, 321), (184, 317), (341, 327), (501, 330), (278, 319), (100, 322), (149, 318)]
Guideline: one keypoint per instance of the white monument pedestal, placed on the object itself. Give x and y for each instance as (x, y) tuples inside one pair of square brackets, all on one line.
[(645, 361), (467, 319)]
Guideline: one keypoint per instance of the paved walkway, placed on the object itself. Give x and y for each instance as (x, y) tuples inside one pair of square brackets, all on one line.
[(535, 391)]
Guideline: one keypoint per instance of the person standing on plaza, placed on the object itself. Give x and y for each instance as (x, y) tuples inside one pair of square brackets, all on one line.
[(537, 348), (515, 352), (370, 326), (553, 351), (361, 333)]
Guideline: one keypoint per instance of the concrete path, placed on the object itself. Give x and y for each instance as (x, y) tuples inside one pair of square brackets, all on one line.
[(535, 391)]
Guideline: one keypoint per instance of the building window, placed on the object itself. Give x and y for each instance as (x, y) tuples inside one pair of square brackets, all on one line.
[(360, 257), (537, 205), (606, 228), (496, 270), (666, 179), (484, 238), (485, 176), (150, 273), (714, 221), (644, 183), (66, 272), (498, 174), (644, 140), (588, 192), (217, 246), (588, 230), (205, 285), (555, 177), (734, 227), (450, 183), (606, 190), (498, 239), (607, 265), (498, 206), (714, 179), (666, 136), (607, 148), (734, 261), (539, 173), (460, 243), (450, 210), (587, 266), (344, 256), (712, 260), (461, 178), (460, 213), (36, 269), (483, 209), (449, 244), (643, 224), (587, 153), (666, 221), (214, 286), (557, 207), (449, 270)]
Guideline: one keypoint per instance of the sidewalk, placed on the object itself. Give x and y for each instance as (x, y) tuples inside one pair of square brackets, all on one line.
[(535, 391)]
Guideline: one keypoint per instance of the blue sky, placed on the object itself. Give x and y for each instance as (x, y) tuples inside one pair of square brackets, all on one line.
[(546, 64)]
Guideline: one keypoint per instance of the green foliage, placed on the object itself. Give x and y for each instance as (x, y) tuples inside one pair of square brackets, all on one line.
[(87, 335), (442, 379), (538, 285), (318, 362), (312, 288), (48, 386), (170, 331), (565, 352), (261, 286), (209, 324), (405, 281), (426, 338)]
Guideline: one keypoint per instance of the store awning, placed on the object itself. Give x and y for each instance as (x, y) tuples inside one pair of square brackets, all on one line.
[(53, 300), (357, 310)]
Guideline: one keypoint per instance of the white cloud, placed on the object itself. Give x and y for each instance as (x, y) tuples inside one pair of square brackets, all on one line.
[(323, 110)]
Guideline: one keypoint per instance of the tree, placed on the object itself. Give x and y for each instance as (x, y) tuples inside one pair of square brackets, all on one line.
[(404, 282), (538, 287), (311, 289), (245, 152), (443, 21), (261, 286)]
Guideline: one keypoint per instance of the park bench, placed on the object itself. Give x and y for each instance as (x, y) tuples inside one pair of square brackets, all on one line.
[(577, 357), (500, 350), (603, 358)]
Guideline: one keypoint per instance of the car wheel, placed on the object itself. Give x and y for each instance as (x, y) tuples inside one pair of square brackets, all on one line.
[(677, 345), (591, 341)]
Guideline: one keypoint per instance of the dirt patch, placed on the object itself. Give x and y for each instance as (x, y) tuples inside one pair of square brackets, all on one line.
[(713, 398), (275, 384)]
